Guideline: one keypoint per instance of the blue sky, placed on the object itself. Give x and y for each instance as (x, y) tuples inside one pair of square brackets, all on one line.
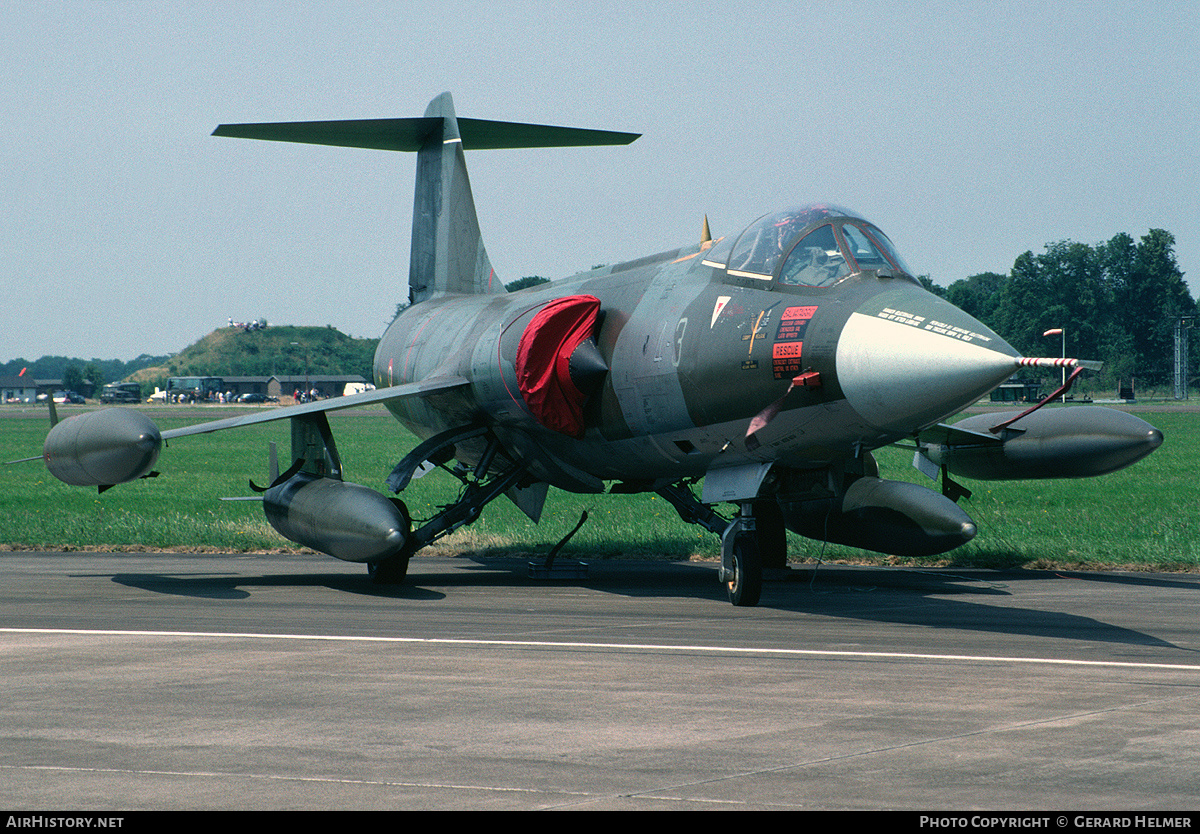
[(969, 132)]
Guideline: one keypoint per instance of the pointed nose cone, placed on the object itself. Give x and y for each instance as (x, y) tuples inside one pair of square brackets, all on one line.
[(907, 359)]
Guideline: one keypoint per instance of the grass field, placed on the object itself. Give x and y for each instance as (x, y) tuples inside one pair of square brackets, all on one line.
[(1147, 516)]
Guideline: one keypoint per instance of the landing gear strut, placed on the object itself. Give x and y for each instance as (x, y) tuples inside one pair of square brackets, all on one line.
[(754, 539), (742, 560), (478, 490)]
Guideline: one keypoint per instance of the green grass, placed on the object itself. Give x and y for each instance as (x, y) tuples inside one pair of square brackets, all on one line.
[(1147, 516)]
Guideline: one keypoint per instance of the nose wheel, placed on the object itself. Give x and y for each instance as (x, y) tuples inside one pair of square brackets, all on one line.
[(742, 559), (744, 576), (753, 540)]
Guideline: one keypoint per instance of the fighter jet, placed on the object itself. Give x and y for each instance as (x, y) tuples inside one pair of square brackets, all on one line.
[(745, 379)]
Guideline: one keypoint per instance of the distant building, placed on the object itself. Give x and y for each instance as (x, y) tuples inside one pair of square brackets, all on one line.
[(1018, 391), (49, 386), (18, 389), (283, 387), (325, 386)]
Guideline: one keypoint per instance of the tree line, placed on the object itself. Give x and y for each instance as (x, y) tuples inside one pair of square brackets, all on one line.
[(1118, 301), (73, 370)]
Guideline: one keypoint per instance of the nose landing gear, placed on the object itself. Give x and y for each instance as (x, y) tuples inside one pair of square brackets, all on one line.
[(742, 560)]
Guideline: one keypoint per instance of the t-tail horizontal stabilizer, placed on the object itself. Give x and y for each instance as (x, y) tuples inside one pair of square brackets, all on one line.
[(448, 256)]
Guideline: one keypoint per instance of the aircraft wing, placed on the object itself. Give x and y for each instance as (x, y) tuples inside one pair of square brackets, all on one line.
[(115, 445), (422, 388), (933, 443), (947, 435)]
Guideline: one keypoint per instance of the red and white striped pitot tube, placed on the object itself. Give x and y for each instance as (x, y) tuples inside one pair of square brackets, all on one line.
[(1058, 362)]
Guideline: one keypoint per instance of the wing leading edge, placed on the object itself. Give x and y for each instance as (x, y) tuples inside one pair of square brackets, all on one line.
[(116, 445), (422, 388)]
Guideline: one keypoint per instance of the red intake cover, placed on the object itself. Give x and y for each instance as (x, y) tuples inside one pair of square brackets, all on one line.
[(544, 357)]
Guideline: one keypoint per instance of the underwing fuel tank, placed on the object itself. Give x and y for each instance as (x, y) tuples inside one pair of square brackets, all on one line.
[(885, 516), (345, 520), (102, 448), (1075, 442)]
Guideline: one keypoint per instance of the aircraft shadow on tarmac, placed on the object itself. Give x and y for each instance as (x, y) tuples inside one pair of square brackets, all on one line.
[(237, 586), (942, 598), (936, 597)]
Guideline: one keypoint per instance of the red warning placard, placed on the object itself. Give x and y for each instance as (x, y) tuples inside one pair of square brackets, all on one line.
[(785, 359), (793, 323)]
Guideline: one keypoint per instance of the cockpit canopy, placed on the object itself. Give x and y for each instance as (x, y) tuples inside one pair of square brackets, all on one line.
[(811, 246)]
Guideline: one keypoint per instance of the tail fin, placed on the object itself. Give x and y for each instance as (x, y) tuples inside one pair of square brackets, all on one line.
[(448, 256)]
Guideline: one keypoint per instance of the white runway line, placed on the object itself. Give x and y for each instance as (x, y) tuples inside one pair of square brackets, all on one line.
[(565, 645)]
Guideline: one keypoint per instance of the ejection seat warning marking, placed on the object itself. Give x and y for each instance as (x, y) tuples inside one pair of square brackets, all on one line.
[(793, 323), (785, 359)]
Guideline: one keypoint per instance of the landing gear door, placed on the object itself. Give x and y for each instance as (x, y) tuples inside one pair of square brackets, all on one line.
[(734, 483)]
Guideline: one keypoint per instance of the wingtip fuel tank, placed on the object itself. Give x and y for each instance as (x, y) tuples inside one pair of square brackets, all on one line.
[(1074, 442), (102, 448)]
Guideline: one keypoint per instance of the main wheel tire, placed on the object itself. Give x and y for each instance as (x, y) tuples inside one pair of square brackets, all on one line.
[(393, 569), (390, 571), (745, 585), (772, 534)]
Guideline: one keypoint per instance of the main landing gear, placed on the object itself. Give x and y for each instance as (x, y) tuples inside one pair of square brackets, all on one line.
[(479, 488), (390, 571)]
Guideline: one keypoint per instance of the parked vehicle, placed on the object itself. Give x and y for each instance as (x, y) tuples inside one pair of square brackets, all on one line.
[(121, 392)]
